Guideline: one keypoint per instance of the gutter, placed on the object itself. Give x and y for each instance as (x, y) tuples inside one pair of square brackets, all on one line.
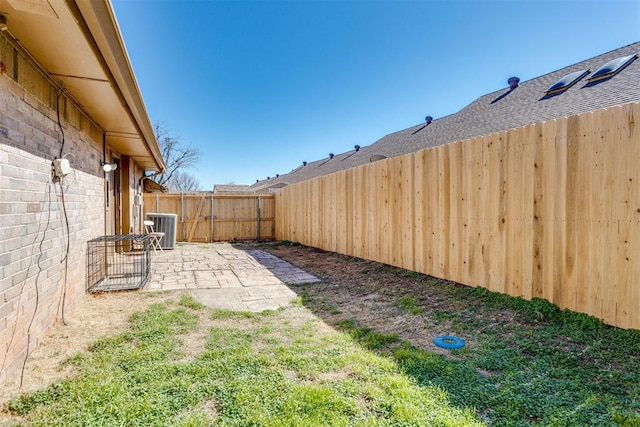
[(119, 72)]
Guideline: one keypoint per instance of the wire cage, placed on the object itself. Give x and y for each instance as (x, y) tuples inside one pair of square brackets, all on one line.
[(117, 263)]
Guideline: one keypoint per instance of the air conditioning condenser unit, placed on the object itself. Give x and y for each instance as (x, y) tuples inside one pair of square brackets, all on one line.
[(166, 223)]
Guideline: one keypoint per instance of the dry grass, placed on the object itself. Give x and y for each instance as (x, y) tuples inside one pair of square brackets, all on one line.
[(95, 316)]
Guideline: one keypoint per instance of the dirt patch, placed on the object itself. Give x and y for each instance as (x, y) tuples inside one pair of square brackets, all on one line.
[(96, 316), (195, 342), (370, 293)]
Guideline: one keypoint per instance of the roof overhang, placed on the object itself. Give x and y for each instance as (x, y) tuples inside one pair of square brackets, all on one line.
[(150, 186), (78, 43)]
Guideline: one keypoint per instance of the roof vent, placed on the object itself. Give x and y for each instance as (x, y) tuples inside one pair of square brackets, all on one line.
[(331, 155), (357, 147), (304, 163), (257, 180), (612, 68), (376, 157), (513, 82), (567, 81), (428, 121), (277, 175), (268, 178)]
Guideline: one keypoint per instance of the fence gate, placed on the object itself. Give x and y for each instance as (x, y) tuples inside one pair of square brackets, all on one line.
[(204, 217)]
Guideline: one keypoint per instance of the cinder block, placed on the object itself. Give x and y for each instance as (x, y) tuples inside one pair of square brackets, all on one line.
[(7, 308), (9, 290), (5, 261)]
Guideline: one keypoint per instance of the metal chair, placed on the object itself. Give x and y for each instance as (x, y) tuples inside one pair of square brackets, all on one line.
[(154, 236)]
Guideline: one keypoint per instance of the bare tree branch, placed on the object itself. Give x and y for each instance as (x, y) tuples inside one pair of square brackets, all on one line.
[(177, 157), (183, 181)]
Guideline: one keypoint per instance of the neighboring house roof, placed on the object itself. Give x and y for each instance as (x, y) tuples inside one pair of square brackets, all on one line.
[(78, 43), (232, 189), (494, 112), (150, 186)]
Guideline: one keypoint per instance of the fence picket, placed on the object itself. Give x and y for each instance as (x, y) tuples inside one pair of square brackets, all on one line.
[(549, 210), (230, 217)]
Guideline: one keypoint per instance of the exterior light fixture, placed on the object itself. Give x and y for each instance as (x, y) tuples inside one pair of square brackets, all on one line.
[(108, 167)]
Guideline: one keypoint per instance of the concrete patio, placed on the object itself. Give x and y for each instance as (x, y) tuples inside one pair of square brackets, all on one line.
[(222, 276)]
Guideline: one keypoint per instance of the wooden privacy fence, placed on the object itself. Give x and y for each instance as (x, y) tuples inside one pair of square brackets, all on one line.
[(550, 210), (209, 217)]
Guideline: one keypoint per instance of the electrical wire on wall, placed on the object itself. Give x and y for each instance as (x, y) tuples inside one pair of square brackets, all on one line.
[(35, 310), (65, 258), (52, 180), (59, 122), (24, 283)]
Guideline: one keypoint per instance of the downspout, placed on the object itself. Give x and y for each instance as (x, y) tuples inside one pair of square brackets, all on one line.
[(142, 178), (141, 190), (106, 182)]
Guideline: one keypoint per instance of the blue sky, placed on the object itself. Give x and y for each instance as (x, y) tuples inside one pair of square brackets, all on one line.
[(260, 86)]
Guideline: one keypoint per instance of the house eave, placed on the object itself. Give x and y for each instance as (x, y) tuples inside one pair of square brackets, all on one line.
[(79, 45)]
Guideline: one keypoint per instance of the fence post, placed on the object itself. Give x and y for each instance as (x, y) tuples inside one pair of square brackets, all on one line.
[(157, 202), (258, 238), (211, 218), (182, 214)]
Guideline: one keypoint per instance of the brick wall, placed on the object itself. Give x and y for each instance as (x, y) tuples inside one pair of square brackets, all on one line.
[(42, 263)]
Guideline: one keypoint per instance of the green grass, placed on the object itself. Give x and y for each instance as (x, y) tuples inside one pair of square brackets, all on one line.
[(530, 382), (276, 368), (410, 303), (526, 363), (187, 300)]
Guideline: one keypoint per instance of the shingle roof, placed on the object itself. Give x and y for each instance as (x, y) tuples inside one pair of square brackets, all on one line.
[(232, 189), (494, 112)]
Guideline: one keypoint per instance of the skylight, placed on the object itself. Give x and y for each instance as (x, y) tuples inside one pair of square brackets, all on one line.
[(611, 68), (567, 81)]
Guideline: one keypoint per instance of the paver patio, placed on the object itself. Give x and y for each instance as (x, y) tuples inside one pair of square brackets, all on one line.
[(222, 276)]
